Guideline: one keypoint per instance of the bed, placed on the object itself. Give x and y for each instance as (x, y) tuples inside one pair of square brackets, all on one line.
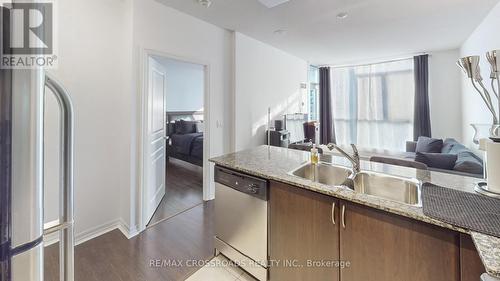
[(185, 136)]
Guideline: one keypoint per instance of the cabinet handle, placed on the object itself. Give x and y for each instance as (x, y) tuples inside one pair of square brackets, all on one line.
[(333, 213), (343, 216)]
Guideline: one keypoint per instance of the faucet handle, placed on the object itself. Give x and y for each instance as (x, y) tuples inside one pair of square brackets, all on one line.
[(356, 158), (331, 146), (354, 149)]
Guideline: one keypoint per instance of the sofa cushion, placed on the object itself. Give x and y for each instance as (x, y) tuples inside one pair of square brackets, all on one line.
[(437, 160), (425, 144), (399, 162), (468, 162), (408, 155), (411, 146)]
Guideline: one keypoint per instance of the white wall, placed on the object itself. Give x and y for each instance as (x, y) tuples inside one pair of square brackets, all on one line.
[(93, 66), (157, 27), (484, 38), (185, 85), (445, 92), (264, 77), (107, 96)]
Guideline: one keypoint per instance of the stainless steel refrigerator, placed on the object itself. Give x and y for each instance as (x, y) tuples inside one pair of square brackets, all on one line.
[(22, 94)]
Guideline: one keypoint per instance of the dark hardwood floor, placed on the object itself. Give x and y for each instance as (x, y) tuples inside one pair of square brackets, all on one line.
[(112, 257), (184, 190)]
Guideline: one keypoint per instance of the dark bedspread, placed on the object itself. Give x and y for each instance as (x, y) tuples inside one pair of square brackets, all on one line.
[(188, 144), (197, 148)]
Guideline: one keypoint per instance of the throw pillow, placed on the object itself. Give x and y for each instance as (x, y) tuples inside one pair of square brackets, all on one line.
[(437, 160), (448, 145), (425, 144)]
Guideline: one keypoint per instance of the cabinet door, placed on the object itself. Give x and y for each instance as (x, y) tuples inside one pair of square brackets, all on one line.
[(302, 231), (385, 247), (471, 266)]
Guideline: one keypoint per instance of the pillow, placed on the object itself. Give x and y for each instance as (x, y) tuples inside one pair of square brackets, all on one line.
[(200, 127), (183, 127), (171, 128), (448, 145), (425, 144), (457, 148), (437, 160), (468, 162)]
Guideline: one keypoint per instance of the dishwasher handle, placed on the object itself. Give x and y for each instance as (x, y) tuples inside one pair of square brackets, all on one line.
[(250, 185)]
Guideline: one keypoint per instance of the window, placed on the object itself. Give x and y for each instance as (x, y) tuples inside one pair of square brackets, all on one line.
[(313, 95), (373, 104)]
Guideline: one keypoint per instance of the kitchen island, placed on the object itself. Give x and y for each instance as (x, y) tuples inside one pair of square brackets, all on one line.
[(275, 164)]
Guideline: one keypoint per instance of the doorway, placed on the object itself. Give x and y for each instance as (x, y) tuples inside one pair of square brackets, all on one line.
[(175, 140)]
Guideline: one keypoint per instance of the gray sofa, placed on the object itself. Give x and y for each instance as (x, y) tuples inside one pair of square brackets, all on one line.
[(457, 158)]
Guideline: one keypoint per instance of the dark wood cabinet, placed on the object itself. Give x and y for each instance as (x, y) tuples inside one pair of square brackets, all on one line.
[(304, 241), (385, 247), (471, 266), (375, 245)]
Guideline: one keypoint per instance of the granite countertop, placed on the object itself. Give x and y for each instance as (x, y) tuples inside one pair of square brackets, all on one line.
[(275, 163)]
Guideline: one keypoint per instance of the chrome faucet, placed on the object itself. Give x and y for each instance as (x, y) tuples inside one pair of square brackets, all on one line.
[(354, 158)]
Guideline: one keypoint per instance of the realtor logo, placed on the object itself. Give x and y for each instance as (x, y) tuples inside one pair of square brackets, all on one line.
[(27, 34)]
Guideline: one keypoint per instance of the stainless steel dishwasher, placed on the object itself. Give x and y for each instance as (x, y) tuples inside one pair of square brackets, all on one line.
[(241, 220)]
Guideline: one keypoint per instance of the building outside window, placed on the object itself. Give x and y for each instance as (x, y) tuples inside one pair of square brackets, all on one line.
[(313, 95)]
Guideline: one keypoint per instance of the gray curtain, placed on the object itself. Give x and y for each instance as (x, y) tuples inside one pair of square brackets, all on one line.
[(326, 126), (422, 119)]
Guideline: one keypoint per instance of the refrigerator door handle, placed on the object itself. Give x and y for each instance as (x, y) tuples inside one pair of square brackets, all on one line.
[(66, 199)]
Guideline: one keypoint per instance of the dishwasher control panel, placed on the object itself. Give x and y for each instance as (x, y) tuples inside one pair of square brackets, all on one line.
[(250, 185)]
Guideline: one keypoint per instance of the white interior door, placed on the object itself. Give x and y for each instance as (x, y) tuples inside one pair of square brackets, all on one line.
[(155, 184)]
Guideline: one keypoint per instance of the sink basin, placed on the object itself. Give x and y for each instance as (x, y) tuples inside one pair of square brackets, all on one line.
[(394, 188), (323, 173)]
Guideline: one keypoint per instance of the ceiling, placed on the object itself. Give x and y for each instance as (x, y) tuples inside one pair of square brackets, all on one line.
[(374, 29)]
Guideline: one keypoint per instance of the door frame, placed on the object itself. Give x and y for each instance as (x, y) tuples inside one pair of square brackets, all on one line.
[(143, 134)]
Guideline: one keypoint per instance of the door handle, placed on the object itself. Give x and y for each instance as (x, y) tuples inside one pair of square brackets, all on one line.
[(343, 216), (66, 199), (333, 213)]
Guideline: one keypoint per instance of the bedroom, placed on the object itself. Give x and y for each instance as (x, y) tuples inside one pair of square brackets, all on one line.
[(179, 119)]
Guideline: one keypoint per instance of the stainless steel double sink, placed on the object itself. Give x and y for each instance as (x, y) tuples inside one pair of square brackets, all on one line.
[(399, 189)]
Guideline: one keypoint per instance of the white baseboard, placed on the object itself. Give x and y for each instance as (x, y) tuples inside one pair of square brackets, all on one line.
[(95, 232), (127, 230)]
